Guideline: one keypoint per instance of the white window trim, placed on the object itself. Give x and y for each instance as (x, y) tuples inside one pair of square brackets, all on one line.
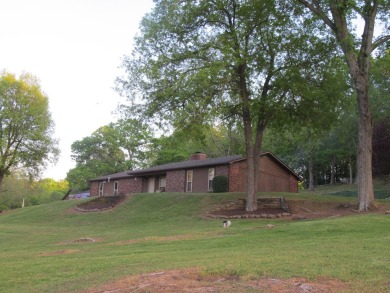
[(116, 187), (209, 178), (101, 188), (187, 181), (161, 186)]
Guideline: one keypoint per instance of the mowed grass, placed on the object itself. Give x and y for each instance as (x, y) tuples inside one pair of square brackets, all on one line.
[(41, 247)]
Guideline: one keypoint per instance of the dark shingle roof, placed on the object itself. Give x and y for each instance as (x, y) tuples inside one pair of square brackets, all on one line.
[(186, 165), (113, 176)]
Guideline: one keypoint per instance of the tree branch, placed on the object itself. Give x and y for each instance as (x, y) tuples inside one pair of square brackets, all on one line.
[(316, 9), (380, 41)]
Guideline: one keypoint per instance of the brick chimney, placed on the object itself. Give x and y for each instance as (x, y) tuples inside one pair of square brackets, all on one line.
[(198, 156)]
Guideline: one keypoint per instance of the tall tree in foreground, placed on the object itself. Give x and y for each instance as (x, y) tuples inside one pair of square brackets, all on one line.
[(26, 126), (195, 60), (357, 47)]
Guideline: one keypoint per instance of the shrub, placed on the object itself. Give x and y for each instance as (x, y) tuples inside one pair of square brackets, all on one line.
[(220, 184)]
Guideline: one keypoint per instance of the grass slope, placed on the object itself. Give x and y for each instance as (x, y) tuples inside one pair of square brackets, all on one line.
[(42, 248)]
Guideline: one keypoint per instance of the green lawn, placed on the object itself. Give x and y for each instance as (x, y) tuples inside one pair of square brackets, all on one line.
[(40, 251)]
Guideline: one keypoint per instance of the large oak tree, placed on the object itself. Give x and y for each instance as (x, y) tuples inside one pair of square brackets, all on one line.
[(339, 17), (26, 126), (195, 60)]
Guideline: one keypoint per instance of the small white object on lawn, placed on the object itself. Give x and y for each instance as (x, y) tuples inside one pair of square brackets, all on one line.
[(227, 224)]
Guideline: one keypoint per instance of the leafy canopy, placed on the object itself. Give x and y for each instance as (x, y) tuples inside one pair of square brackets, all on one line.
[(26, 126), (112, 148)]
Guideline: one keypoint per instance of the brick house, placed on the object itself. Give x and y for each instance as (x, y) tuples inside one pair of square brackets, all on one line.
[(196, 175)]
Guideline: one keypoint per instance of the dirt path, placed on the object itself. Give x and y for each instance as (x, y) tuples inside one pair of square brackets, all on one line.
[(191, 280)]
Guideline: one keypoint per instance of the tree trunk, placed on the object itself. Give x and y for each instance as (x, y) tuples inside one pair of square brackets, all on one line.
[(253, 166), (350, 173), (359, 72), (1, 181), (251, 160), (311, 175), (251, 201), (333, 170), (364, 159)]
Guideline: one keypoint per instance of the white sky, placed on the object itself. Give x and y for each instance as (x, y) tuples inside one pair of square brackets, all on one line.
[(75, 48)]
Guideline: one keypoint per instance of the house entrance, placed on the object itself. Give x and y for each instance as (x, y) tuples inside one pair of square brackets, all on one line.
[(151, 185)]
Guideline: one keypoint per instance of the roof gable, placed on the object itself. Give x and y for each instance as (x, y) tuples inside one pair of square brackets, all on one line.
[(275, 159)]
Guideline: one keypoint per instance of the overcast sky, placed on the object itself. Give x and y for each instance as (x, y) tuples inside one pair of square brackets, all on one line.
[(75, 48)]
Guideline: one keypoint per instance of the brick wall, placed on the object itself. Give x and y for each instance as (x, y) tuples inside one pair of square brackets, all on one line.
[(175, 181), (293, 184), (222, 171), (234, 177), (94, 188), (125, 186), (130, 185)]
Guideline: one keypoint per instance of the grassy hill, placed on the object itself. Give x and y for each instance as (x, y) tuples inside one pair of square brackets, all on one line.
[(54, 248)]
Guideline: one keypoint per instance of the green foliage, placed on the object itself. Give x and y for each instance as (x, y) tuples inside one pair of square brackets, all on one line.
[(26, 126), (379, 87), (96, 155), (47, 190), (357, 46), (78, 177), (134, 137), (19, 187), (328, 135), (112, 148), (220, 184), (221, 140), (252, 62), (227, 62)]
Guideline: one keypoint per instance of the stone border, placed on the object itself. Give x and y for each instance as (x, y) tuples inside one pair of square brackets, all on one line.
[(121, 200), (240, 202), (93, 210), (251, 216)]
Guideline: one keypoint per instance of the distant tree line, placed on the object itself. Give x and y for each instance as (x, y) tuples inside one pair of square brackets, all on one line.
[(20, 189)]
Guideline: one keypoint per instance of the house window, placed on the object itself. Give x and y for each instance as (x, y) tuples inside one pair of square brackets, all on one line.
[(189, 181), (162, 183), (116, 187), (101, 188), (211, 177)]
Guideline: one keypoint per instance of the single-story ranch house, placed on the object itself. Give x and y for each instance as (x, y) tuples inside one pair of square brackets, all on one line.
[(196, 175)]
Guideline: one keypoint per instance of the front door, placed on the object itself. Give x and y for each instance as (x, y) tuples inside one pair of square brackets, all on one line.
[(151, 184), (101, 188)]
